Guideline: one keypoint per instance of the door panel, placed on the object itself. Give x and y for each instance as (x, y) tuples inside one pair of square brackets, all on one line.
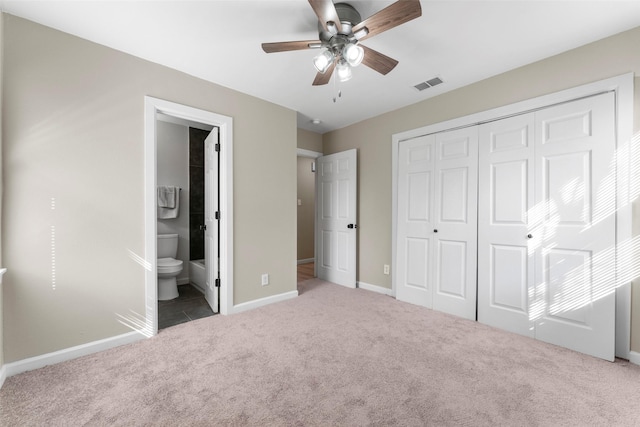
[(436, 234), (508, 278), (211, 233), (417, 267), (453, 195), (455, 228), (576, 188), (547, 226), (452, 264), (415, 235), (336, 184), (505, 211), (509, 193)]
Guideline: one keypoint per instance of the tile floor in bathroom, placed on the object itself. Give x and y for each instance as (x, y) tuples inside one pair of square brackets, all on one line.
[(190, 305)]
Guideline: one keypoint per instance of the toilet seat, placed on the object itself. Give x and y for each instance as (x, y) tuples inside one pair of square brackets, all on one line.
[(169, 265)]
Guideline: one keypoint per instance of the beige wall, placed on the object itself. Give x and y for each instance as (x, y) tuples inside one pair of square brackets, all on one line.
[(309, 140), (606, 58), (1, 186), (306, 210), (73, 159)]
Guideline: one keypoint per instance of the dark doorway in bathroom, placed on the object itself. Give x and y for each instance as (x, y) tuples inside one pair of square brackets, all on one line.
[(196, 192)]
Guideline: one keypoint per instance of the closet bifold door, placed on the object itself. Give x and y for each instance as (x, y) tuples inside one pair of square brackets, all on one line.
[(505, 204), (415, 236), (455, 227), (546, 225), (575, 231), (437, 221)]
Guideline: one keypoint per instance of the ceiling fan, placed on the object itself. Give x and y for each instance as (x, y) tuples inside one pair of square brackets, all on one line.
[(341, 30)]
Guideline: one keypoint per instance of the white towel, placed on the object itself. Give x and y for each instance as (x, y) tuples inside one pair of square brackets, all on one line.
[(167, 196), (168, 201)]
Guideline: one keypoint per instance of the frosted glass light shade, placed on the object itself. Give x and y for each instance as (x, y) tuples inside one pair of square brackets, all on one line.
[(353, 54), (344, 71), (323, 61)]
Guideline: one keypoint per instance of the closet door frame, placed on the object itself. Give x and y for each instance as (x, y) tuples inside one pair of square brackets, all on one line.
[(623, 88)]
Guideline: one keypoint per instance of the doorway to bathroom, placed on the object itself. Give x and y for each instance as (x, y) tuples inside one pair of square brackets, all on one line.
[(212, 214), (185, 151)]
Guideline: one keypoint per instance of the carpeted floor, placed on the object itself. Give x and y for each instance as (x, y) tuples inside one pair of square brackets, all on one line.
[(332, 356)]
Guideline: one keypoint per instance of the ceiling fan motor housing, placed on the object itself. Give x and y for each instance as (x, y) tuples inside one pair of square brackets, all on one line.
[(349, 17)]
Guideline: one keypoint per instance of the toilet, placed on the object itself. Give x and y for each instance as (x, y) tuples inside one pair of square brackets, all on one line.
[(168, 266)]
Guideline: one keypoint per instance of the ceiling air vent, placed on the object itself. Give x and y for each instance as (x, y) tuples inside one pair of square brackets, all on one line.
[(429, 83)]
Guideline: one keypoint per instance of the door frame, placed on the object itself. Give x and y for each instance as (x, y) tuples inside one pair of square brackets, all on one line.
[(153, 106), (623, 87)]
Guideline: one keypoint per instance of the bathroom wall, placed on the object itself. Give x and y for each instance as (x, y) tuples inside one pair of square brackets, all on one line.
[(173, 169), (196, 192)]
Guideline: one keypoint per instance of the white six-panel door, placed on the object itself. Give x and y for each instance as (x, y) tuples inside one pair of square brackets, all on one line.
[(212, 257), (456, 224), (547, 225), (336, 228), (505, 210), (437, 211), (575, 185), (415, 237)]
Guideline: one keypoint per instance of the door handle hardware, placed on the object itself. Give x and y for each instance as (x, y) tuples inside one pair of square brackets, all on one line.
[(435, 231), (529, 236), (203, 227), (352, 226)]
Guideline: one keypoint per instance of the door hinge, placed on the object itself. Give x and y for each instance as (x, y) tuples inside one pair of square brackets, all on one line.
[(217, 147), (217, 215), (217, 283)]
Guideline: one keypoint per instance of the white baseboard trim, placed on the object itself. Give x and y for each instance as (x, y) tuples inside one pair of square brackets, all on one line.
[(306, 261), (250, 305), (375, 288), (41, 361), (634, 357), (3, 375)]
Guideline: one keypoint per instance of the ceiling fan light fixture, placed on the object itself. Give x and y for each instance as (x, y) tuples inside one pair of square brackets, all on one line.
[(353, 54), (344, 71), (323, 61)]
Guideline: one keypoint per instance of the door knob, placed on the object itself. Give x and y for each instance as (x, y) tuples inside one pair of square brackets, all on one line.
[(529, 236), (435, 230), (203, 227), (352, 226)]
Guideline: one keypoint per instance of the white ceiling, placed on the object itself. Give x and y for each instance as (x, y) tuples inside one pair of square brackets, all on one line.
[(459, 41)]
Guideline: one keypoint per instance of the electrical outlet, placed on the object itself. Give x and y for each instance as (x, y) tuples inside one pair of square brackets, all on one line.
[(265, 279), (386, 269)]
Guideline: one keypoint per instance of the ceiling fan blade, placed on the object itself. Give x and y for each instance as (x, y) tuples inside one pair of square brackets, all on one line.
[(326, 12), (377, 61), (393, 15), (286, 46), (323, 79)]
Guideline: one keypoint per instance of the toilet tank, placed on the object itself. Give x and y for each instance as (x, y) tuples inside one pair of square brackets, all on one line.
[(167, 245)]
